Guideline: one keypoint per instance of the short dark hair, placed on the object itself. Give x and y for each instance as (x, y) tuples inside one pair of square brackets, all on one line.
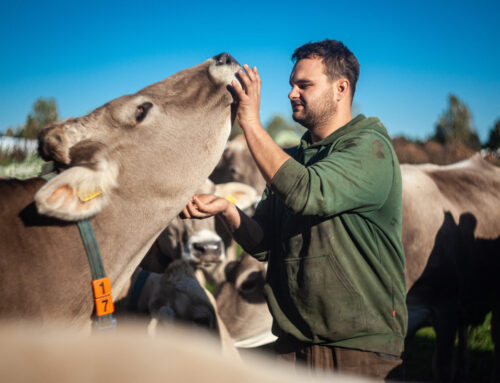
[(339, 61)]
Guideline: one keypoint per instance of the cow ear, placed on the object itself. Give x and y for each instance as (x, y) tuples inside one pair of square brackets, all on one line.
[(240, 194), (77, 193)]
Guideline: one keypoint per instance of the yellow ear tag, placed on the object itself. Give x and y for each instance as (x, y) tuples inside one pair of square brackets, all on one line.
[(88, 196), (231, 198)]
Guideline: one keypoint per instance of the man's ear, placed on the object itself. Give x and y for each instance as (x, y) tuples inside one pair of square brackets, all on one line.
[(78, 192), (342, 87)]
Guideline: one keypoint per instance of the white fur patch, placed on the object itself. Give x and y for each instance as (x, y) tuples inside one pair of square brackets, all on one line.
[(59, 198), (224, 73)]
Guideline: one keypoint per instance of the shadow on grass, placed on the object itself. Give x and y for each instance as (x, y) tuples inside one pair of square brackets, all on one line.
[(419, 354)]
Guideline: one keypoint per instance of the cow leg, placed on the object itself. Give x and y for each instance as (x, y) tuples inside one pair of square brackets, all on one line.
[(445, 325)]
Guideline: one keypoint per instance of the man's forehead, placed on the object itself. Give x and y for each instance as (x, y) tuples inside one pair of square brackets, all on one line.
[(308, 69)]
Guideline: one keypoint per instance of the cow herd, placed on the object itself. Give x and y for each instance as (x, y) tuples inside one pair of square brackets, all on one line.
[(131, 165)]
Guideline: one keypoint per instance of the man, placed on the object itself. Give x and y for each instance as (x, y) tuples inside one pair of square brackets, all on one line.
[(329, 223)]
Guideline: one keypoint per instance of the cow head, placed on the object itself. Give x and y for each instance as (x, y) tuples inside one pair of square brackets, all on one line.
[(238, 165), (241, 303), (162, 139), (181, 298)]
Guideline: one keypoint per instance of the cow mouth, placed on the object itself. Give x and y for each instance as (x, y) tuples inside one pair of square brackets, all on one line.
[(206, 259)]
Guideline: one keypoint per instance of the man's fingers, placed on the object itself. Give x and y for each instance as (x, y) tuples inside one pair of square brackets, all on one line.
[(238, 89), (185, 213), (244, 78), (249, 72)]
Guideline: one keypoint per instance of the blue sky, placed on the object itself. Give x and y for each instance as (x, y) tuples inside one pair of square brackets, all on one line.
[(413, 54)]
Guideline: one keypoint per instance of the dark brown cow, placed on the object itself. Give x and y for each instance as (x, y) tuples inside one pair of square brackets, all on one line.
[(174, 296), (131, 165), (451, 237)]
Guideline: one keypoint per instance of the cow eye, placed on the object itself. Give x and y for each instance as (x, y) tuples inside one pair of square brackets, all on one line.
[(142, 110)]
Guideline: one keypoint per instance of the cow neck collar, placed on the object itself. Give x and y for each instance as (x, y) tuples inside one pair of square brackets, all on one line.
[(135, 294), (101, 286)]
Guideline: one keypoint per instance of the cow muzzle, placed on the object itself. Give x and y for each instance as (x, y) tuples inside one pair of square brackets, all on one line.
[(204, 247), (223, 68), (225, 59)]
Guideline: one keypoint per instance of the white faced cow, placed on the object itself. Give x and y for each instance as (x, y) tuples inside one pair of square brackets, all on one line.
[(131, 165), (206, 244)]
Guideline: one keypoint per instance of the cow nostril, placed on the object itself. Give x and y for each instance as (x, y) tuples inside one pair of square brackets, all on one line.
[(223, 59)]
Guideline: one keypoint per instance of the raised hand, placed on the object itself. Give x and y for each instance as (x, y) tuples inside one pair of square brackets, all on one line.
[(249, 97)]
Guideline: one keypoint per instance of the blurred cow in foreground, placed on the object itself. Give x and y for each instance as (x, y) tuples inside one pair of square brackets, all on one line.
[(30, 354)]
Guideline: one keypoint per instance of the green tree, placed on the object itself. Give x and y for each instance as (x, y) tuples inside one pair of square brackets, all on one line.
[(494, 138), (9, 132), (456, 125), (276, 125), (44, 112)]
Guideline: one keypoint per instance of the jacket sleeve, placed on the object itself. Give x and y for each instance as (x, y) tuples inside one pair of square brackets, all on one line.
[(357, 177), (263, 216)]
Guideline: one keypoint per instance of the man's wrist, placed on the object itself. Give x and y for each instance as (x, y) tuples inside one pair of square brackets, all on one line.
[(250, 125), (230, 216)]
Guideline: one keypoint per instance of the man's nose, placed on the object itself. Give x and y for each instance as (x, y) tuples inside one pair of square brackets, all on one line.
[(293, 94)]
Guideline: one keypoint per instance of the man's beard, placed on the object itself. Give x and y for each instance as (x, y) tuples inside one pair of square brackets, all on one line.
[(318, 113)]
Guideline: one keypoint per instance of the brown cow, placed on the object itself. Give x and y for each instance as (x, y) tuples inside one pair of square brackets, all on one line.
[(241, 304), (205, 243), (238, 165), (451, 237), (131, 165), (174, 296), (31, 354)]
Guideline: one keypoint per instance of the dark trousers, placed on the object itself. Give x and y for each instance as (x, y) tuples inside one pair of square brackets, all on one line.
[(336, 359)]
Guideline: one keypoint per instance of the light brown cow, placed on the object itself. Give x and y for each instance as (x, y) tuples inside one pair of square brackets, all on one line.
[(205, 243), (238, 165), (131, 165), (451, 237), (28, 354), (241, 304)]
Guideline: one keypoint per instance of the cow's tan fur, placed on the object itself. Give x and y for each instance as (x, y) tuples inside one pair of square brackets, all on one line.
[(160, 161), (30, 354)]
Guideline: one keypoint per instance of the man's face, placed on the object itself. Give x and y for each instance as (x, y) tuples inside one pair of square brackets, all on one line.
[(312, 94)]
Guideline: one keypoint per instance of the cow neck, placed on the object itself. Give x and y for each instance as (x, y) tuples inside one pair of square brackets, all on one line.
[(101, 285)]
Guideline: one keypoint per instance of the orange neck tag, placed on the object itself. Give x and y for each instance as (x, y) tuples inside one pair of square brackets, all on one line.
[(102, 296)]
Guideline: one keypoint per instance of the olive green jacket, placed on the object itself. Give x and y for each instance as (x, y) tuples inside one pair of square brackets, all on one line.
[(332, 237)]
